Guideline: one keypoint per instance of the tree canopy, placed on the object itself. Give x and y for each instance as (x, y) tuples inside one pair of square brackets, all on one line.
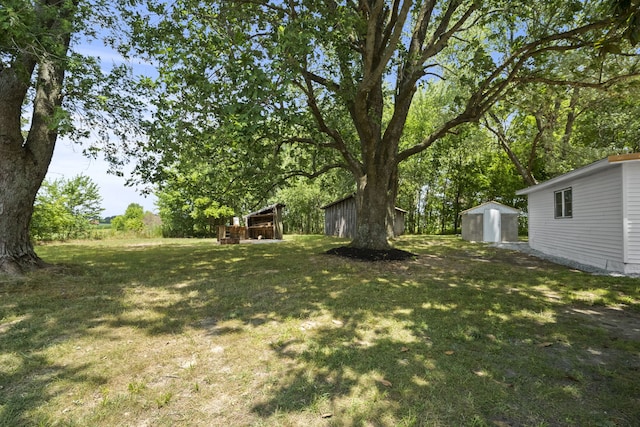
[(65, 209), (330, 84)]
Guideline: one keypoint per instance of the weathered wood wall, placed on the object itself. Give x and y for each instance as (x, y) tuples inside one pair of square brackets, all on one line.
[(266, 223), (231, 233), (340, 218)]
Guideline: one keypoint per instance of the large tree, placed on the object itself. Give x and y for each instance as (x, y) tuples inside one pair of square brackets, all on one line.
[(35, 38), (46, 90), (337, 78)]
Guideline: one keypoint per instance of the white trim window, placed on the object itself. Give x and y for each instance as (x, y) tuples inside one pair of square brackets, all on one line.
[(563, 203)]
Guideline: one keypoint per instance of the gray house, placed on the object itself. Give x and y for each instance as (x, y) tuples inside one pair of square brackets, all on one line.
[(590, 215), (490, 222), (340, 218)]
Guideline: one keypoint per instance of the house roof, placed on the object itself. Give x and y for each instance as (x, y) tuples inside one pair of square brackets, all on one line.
[(351, 196), (265, 209), (587, 170), (480, 208)]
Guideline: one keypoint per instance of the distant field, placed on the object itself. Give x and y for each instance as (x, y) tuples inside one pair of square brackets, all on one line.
[(185, 332)]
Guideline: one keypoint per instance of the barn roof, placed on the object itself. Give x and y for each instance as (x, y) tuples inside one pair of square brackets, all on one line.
[(338, 201), (265, 209), (350, 196)]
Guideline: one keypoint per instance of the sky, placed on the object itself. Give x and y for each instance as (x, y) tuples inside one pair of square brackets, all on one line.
[(69, 162)]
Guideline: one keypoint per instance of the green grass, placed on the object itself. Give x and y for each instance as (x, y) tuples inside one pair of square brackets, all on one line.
[(186, 332)]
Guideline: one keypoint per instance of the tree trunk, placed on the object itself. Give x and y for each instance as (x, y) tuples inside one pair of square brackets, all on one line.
[(375, 201), (456, 208), (24, 162), (372, 207), (19, 184)]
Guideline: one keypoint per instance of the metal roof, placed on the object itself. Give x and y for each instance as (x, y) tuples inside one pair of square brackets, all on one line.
[(587, 170), (265, 209), (492, 202), (349, 197)]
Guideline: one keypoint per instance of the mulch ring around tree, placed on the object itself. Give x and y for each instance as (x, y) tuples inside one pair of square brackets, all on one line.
[(371, 254)]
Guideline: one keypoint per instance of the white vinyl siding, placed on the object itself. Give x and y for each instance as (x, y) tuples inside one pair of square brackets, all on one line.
[(632, 212), (594, 233)]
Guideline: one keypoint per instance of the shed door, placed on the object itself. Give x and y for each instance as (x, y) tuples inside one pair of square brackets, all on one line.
[(491, 228)]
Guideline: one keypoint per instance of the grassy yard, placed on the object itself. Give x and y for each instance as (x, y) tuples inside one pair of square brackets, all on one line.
[(189, 333)]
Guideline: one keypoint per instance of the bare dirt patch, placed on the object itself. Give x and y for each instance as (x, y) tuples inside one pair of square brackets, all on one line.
[(371, 255), (618, 322)]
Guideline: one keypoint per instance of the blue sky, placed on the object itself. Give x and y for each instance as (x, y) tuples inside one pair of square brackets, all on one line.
[(69, 162)]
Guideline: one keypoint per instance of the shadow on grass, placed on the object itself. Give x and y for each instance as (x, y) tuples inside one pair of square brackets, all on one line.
[(40, 315), (462, 335), (29, 386), (94, 287)]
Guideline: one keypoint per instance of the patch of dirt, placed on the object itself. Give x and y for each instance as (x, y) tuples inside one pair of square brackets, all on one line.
[(521, 259), (142, 245), (372, 254), (619, 323)]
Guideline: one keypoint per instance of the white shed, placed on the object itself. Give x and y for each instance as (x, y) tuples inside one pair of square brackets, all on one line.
[(490, 222), (590, 215)]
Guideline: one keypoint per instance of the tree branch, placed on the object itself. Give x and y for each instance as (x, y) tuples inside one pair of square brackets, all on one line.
[(441, 36), (340, 145), (525, 173), (308, 141), (331, 85), (393, 19), (372, 73), (310, 175), (314, 174), (593, 85)]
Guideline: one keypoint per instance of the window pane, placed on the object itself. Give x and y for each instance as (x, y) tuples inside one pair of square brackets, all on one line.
[(568, 210), (558, 204)]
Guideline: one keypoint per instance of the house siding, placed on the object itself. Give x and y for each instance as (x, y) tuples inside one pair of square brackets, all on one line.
[(631, 178), (594, 233)]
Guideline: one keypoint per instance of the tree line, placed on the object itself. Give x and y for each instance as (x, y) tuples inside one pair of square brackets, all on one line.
[(67, 209)]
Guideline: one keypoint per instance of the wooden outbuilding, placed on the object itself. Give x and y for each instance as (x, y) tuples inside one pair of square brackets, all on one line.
[(231, 234), (265, 223), (490, 222), (590, 215), (340, 218)]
